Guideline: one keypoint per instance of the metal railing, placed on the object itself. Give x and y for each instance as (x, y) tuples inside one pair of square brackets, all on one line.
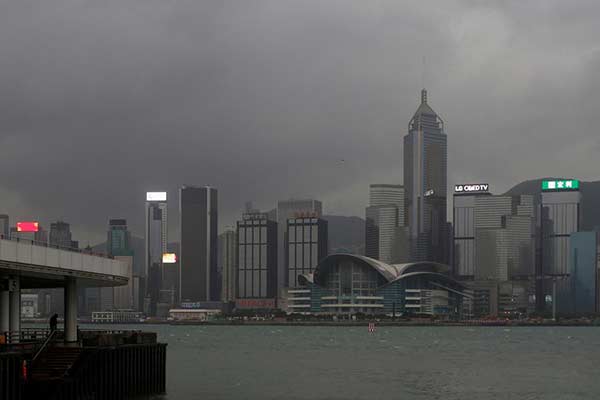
[(49, 338)]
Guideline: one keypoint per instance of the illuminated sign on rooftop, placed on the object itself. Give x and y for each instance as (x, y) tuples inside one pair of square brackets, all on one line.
[(562, 184), (169, 258), (28, 226), (472, 188), (156, 196)]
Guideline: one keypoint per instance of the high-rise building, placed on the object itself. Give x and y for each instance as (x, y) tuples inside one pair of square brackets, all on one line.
[(60, 235), (228, 264), (386, 237), (289, 209), (118, 244), (425, 176), (257, 257), (559, 216), (504, 238), (155, 246), (494, 249), (463, 237), (4, 225), (119, 238), (123, 295), (306, 246), (580, 292), (198, 212)]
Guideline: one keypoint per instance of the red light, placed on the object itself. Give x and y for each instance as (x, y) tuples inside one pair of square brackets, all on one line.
[(28, 226)]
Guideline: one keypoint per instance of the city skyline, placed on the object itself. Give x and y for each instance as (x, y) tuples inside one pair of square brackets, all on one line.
[(240, 120)]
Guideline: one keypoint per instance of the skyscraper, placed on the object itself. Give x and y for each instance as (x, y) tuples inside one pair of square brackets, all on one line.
[(119, 238), (385, 234), (118, 245), (306, 245), (425, 175), (257, 258), (156, 245), (60, 235), (289, 209), (228, 264), (559, 217), (4, 225), (198, 212)]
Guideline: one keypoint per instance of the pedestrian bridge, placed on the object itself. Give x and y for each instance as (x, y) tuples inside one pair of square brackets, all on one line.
[(40, 266), (28, 265)]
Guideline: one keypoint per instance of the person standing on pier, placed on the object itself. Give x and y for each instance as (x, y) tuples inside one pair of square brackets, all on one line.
[(53, 322)]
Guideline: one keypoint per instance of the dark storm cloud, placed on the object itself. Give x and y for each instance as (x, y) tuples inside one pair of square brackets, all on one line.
[(101, 101)]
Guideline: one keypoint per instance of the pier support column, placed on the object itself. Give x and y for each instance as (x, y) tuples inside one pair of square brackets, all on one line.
[(70, 310), (4, 310), (14, 300)]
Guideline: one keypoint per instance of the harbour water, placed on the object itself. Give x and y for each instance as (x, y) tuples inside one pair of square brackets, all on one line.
[(305, 363)]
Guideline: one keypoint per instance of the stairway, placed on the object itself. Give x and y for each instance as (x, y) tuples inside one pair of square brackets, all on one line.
[(54, 363)]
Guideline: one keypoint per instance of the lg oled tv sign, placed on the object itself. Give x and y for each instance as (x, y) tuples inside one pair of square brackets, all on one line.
[(472, 188)]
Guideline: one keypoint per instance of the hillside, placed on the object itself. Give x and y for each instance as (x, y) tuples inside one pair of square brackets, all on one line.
[(590, 203), (346, 234)]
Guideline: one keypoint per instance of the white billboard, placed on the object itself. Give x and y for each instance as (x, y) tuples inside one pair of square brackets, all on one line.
[(169, 258), (156, 196)]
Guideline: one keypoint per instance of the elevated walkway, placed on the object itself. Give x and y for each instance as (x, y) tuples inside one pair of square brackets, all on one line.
[(26, 264)]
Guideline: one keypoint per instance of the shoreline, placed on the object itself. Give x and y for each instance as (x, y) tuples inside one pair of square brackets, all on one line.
[(363, 323)]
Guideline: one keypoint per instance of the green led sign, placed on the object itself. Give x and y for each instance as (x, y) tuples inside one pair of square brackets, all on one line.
[(566, 184)]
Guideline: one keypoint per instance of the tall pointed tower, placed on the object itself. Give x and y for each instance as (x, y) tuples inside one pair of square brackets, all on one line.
[(425, 182)]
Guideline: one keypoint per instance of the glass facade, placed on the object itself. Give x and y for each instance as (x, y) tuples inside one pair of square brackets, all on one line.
[(228, 251), (306, 246), (287, 209), (344, 284), (257, 257), (385, 238), (560, 218), (425, 180), (198, 213), (119, 238), (494, 237), (464, 236), (580, 291)]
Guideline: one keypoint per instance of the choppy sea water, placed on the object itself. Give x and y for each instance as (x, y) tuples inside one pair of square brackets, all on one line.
[(265, 362)]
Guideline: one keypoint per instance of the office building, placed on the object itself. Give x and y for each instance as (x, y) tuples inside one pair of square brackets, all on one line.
[(198, 212), (494, 249), (118, 238), (228, 265), (493, 236), (155, 246), (386, 237), (4, 225), (580, 291), (464, 228), (257, 257), (559, 216), (118, 244), (287, 209), (123, 295), (60, 235), (306, 246), (425, 176)]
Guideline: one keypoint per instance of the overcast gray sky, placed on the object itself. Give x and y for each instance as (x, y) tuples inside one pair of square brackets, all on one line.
[(101, 101)]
